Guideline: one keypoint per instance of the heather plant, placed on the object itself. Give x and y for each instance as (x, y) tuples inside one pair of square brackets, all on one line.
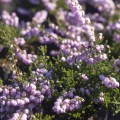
[(57, 61)]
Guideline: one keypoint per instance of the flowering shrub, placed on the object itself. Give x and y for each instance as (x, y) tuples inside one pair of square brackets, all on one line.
[(59, 59)]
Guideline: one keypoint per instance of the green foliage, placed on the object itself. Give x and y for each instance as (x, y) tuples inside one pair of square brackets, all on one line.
[(39, 116), (1, 82)]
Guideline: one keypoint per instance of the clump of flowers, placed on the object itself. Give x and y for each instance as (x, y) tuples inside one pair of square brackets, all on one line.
[(63, 105), (109, 82)]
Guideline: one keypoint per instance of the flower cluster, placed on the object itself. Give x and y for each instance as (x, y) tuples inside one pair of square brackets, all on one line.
[(63, 105), (81, 49), (116, 65), (20, 99), (109, 82), (11, 20), (5, 1), (103, 5), (19, 41), (115, 26), (100, 99), (40, 14), (50, 5), (29, 31), (24, 57)]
